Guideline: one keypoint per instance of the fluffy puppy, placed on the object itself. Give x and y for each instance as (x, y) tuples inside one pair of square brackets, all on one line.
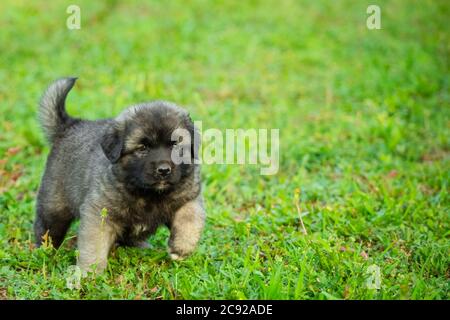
[(119, 177)]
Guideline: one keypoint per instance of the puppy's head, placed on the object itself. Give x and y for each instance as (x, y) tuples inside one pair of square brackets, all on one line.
[(151, 147)]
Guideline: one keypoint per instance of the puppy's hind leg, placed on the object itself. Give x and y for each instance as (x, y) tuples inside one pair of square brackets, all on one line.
[(53, 223)]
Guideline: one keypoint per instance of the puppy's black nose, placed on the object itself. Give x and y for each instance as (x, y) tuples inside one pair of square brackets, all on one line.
[(164, 170)]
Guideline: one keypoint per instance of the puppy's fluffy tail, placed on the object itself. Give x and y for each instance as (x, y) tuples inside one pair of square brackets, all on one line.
[(52, 110)]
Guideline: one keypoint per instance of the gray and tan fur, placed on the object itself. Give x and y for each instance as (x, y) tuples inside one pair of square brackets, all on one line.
[(122, 165)]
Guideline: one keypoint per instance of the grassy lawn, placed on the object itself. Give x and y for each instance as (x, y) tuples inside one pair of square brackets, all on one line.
[(364, 133)]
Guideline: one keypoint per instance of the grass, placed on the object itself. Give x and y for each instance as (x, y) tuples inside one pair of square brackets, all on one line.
[(364, 130)]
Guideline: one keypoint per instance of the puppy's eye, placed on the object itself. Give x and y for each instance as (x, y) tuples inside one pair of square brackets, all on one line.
[(173, 143), (142, 148)]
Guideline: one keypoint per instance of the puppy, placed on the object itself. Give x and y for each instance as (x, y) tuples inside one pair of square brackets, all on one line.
[(120, 177)]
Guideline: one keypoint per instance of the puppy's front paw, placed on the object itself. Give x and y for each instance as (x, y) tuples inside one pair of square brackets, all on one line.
[(176, 256)]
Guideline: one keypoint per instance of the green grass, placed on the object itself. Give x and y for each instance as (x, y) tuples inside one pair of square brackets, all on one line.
[(364, 130)]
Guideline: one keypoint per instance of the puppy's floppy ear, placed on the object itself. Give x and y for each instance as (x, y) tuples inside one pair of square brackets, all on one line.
[(112, 143)]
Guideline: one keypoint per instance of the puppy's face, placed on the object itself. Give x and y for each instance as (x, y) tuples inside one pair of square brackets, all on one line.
[(142, 144)]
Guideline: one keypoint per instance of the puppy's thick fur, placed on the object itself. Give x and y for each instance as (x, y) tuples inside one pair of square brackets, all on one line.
[(123, 165)]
